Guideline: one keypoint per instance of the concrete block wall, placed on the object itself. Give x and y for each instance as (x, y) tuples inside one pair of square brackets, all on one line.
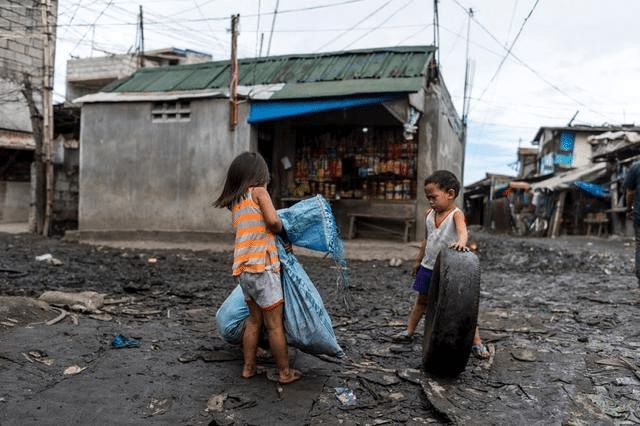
[(101, 68), (22, 48)]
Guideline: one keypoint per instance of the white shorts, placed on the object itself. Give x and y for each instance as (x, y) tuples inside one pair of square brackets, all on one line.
[(264, 288)]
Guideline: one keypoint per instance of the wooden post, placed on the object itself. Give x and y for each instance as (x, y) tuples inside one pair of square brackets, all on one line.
[(39, 177), (554, 229), (47, 110), (233, 78)]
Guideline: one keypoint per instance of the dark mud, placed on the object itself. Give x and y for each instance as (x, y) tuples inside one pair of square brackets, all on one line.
[(561, 319)]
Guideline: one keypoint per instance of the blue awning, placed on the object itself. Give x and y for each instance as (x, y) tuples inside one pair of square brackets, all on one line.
[(273, 110), (593, 189)]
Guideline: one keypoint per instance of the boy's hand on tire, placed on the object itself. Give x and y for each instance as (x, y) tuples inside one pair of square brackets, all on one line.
[(459, 246)]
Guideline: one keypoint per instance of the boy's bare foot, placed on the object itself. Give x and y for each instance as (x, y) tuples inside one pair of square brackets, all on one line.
[(249, 372), (289, 377)]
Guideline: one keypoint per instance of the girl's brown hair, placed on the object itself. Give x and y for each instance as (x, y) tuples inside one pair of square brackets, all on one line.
[(246, 170)]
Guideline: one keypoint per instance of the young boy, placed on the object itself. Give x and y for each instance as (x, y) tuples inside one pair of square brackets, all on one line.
[(445, 228)]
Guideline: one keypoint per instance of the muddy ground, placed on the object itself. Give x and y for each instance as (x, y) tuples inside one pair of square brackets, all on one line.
[(561, 318)]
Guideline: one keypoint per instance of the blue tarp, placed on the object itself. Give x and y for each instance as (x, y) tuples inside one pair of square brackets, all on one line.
[(272, 110), (593, 189)]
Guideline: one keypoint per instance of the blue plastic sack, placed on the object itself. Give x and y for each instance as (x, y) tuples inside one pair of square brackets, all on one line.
[(307, 324), (309, 224), (231, 315)]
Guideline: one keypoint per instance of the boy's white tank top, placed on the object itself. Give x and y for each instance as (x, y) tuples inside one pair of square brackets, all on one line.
[(438, 238)]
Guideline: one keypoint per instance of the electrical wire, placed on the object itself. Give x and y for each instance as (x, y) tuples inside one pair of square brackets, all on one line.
[(382, 6), (513, 43), (401, 8), (404, 40), (528, 67), (96, 20)]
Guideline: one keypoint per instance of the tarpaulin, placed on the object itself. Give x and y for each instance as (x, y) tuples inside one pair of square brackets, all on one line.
[(272, 110), (593, 189)]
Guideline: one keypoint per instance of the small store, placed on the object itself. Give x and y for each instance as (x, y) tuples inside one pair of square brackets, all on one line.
[(363, 128), (362, 159)]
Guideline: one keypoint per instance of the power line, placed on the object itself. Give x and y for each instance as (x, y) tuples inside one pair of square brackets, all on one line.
[(208, 23), (99, 16), (401, 8), (217, 18), (513, 43), (412, 35), (527, 66), (385, 4), (513, 15)]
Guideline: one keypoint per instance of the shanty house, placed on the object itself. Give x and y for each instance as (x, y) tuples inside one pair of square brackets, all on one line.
[(363, 128)]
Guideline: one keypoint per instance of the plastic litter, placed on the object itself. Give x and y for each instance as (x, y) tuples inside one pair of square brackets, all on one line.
[(49, 259), (121, 341), (345, 396), (73, 370)]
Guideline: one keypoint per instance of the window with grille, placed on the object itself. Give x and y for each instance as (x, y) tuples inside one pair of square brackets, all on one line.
[(171, 112)]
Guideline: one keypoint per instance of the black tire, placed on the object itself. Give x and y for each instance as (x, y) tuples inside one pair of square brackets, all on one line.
[(452, 313)]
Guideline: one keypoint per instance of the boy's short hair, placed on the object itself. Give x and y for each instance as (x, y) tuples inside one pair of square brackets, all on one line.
[(445, 180)]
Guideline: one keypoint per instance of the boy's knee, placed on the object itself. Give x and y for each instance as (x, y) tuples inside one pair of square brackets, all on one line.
[(422, 300)]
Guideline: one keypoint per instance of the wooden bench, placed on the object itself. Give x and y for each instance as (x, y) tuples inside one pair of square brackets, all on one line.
[(404, 213), (600, 219)]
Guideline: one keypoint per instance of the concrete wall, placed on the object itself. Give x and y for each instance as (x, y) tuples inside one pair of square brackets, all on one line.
[(20, 54), (144, 176), (14, 201), (581, 150), (440, 146)]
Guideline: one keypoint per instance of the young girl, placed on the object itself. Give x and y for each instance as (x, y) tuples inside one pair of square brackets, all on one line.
[(445, 228), (256, 267)]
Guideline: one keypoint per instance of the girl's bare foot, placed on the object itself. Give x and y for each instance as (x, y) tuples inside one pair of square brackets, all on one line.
[(289, 376), (249, 372)]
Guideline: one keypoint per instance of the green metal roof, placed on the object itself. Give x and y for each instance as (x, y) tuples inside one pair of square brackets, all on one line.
[(381, 70)]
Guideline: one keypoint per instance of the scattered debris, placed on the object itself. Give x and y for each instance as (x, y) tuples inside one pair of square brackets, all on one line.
[(215, 404), (158, 407), (59, 318), (101, 317), (73, 370), (395, 262), (85, 301), (525, 355), (49, 259), (38, 356), (121, 341), (345, 396)]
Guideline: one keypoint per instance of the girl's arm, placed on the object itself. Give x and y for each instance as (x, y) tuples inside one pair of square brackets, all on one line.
[(262, 197), (461, 230)]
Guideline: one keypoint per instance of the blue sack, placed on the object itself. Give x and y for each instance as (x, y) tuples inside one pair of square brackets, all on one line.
[(309, 224), (231, 315)]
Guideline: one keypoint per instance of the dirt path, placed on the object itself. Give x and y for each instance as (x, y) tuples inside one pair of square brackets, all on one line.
[(562, 319)]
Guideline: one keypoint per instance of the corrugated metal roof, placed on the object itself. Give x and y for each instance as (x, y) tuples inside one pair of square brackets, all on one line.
[(382, 70)]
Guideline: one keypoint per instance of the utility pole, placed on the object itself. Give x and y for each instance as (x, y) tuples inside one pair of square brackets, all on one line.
[(141, 41), (273, 25), (47, 110), (467, 88), (233, 77), (436, 30)]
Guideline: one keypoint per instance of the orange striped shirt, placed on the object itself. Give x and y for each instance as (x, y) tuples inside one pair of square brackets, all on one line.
[(255, 246)]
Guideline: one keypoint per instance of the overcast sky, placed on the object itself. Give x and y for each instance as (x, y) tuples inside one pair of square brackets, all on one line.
[(571, 55)]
